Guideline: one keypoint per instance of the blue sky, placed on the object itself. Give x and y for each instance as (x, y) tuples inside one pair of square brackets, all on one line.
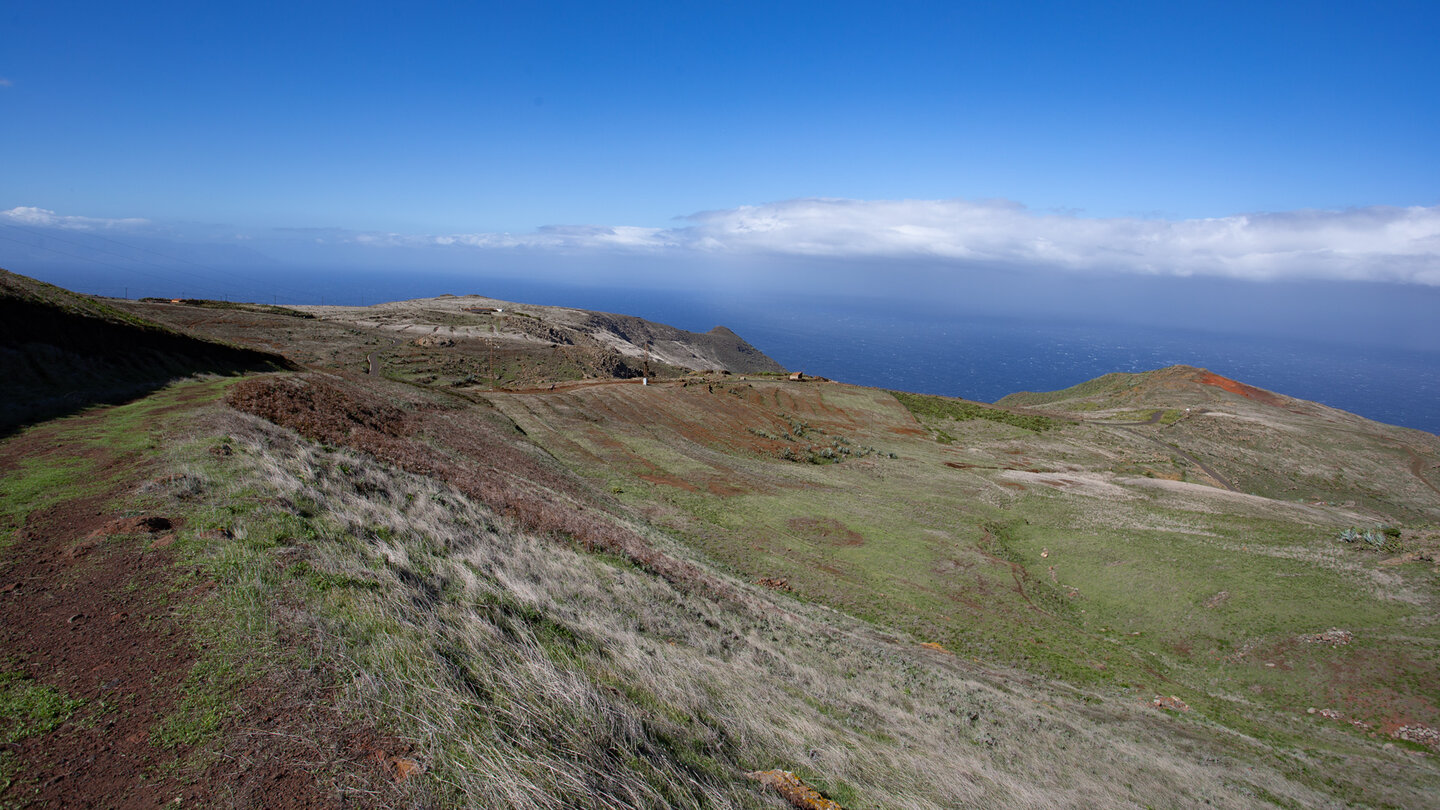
[(1238, 140)]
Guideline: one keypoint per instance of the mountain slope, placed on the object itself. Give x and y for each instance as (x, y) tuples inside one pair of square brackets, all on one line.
[(60, 351), (1266, 443), (632, 341), (603, 594)]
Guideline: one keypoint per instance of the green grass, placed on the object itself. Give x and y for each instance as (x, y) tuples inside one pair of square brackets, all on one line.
[(68, 469), (29, 709), (209, 697), (1126, 611), (1106, 384), (923, 405), (207, 303), (36, 484)]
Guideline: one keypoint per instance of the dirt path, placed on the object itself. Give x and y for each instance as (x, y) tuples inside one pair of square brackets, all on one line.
[(90, 605), (562, 387), (1417, 468), (73, 620), (374, 361), (1153, 420), (1170, 448)]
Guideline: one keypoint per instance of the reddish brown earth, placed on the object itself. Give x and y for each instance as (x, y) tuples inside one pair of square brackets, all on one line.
[(90, 598), (795, 791), (466, 453), (826, 529), (725, 490), (1247, 391), (669, 481), (69, 623)]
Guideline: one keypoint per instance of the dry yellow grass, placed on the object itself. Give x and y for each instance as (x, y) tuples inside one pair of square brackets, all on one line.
[(532, 674)]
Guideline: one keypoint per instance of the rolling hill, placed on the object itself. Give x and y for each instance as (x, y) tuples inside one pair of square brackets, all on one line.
[(60, 351), (458, 555)]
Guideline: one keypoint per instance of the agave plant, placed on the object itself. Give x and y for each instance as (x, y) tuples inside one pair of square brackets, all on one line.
[(1371, 537)]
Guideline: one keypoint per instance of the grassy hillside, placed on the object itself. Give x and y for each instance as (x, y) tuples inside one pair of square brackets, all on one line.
[(60, 352), (399, 593)]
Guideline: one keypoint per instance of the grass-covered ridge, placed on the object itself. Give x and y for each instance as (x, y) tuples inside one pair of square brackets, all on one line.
[(210, 303), (60, 351), (601, 594), (1112, 383), (530, 673), (936, 407)]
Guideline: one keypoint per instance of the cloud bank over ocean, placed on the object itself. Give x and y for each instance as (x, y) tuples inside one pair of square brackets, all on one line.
[(44, 218), (1376, 243)]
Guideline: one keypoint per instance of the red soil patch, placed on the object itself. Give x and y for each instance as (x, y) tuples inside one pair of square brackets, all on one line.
[(724, 490), (668, 481), (87, 600), (1013, 485), (775, 583), (1247, 391), (827, 530), (1171, 703), (463, 451), (795, 791), (71, 625)]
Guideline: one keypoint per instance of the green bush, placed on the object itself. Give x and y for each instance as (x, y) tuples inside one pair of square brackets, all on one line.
[(960, 411)]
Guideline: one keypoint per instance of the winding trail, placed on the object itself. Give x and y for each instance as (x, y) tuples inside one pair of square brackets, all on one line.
[(1153, 420), (1206, 468), (374, 362), (1417, 467)]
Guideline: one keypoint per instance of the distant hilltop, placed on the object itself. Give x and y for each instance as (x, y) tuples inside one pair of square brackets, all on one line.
[(631, 340), (525, 551)]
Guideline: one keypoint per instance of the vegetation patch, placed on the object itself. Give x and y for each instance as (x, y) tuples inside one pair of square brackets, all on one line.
[(209, 303), (925, 405), (29, 708)]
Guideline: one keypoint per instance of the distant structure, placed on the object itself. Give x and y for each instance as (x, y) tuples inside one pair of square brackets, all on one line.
[(797, 376)]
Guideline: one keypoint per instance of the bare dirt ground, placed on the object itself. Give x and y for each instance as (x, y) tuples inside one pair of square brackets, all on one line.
[(89, 605)]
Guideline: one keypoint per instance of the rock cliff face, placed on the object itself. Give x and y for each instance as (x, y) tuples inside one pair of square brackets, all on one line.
[(718, 349)]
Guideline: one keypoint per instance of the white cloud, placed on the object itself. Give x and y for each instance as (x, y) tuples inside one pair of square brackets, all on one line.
[(43, 218), (1375, 243), (4, 82)]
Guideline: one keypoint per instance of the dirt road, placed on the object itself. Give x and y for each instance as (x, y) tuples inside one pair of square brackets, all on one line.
[(374, 361)]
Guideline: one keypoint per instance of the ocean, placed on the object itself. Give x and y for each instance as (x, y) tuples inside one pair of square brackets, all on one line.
[(984, 357), (941, 347)]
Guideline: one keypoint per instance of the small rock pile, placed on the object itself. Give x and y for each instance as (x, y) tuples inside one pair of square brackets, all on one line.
[(1171, 703), (1419, 734), (1335, 637)]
